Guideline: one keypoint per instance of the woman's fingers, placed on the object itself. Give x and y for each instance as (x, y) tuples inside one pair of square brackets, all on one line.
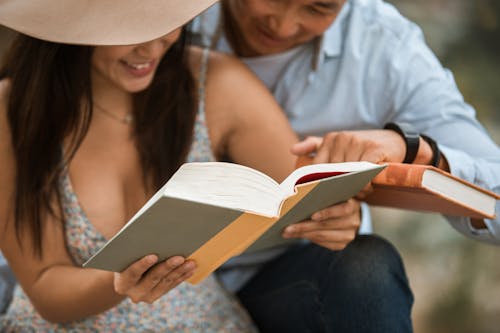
[(171, 280), (156, 273), (127, 279), (144, 281)]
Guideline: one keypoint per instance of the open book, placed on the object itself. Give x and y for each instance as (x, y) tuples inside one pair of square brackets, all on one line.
[(210, 212)]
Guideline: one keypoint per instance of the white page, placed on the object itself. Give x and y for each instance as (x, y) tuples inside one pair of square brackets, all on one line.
[(459, 192), (228, 185)]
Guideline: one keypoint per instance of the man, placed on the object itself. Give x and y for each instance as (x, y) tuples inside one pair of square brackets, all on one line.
[(359, 74)]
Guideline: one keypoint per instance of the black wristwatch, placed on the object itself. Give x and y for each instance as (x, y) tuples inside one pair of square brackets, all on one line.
[(436, 153), (410, 136)]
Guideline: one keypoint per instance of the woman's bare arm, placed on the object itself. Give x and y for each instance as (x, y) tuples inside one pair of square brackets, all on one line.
[(59, 290), (245, 122), (259, 136)]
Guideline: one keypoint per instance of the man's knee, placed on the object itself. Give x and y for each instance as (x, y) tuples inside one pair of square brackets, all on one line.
[(369, 263)]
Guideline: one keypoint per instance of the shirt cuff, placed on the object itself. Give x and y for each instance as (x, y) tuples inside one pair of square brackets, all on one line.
[(461, 165), (366, 220), (490, 234)]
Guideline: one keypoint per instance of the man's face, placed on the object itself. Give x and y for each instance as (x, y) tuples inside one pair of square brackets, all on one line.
[(273, 26)]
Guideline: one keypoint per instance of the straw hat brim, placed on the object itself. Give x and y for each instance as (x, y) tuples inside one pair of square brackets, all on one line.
[(99, 22)]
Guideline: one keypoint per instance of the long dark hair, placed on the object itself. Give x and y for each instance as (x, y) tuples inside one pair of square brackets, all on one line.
[(49, 83)]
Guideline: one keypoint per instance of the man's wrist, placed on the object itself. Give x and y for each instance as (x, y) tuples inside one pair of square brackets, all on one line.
[(411, 138), (420, 148)]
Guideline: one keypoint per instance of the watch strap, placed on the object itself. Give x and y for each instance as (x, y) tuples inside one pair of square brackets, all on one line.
[(436, 154), (410, 136)]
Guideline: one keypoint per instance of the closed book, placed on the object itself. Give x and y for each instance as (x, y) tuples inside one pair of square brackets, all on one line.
[(210, 212), (427, 188)]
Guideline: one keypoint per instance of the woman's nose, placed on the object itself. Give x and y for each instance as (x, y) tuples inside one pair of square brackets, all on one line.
[(153, 48)]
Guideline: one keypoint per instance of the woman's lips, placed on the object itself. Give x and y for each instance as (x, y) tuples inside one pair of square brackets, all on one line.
[(139, 69)]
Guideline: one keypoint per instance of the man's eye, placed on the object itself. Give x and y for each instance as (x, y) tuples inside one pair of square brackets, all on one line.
[(317, 10)]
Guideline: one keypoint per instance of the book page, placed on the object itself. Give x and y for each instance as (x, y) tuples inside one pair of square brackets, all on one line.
[(323, 170), (227, 185), (459, 192)]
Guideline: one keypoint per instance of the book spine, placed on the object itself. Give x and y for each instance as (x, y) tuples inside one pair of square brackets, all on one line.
[(238, 236), (231, 241), (406, 175)]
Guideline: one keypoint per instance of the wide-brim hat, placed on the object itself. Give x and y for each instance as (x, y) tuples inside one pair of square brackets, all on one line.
[(98, 22)]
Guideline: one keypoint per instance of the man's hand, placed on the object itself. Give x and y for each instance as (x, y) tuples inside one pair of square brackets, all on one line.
[(376, 146), (332, 228), (336, 226)]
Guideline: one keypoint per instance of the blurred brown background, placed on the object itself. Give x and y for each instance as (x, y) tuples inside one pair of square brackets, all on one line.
[(455, 280)]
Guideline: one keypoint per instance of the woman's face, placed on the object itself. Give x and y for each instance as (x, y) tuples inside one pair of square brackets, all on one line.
[(130, 68), (273, 26)]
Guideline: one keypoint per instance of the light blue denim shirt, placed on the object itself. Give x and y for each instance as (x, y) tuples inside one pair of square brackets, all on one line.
[(372, 66)]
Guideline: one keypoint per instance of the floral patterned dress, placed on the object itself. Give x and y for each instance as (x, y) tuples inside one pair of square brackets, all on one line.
[(205, 307)]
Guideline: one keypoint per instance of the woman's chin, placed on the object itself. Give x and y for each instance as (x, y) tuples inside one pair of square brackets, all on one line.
[(137, 87)]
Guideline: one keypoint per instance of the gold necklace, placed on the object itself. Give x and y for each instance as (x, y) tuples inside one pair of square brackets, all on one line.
[(127, 120)]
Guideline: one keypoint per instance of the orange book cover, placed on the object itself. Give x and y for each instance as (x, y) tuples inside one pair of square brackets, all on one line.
[(426, 188)]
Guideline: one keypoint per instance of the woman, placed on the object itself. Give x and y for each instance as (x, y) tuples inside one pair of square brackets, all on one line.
[(89, 133)]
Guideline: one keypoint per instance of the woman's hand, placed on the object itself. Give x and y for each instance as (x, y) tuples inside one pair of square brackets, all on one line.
[(146, 280)]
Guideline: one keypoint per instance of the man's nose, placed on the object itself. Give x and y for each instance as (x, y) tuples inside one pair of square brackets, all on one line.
[(283, 25)]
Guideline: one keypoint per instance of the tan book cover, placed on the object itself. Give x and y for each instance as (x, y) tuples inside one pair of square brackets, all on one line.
[(426, 188), (210, 212)]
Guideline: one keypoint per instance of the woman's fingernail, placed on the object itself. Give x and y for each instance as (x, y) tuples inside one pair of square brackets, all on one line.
[(177, 261), (316, 216), (288, 232), (190, 265), (151, 259)]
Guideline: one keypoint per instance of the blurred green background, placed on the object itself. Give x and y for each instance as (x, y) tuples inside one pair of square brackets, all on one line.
[(455, 280)]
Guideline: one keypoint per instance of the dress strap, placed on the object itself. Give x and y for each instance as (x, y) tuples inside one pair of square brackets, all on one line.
[(201, 147), (201, 84)]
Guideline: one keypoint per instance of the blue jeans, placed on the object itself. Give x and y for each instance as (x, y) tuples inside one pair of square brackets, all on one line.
[(362, 288)]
